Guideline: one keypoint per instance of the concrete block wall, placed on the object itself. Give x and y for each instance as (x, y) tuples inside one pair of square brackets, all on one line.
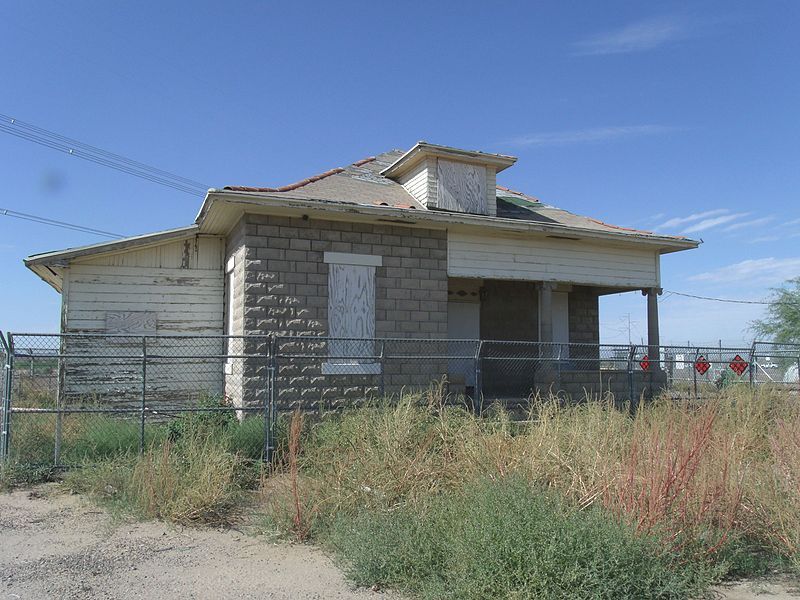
[(286, 293), (234, 249), (584, 316), (584, 327)]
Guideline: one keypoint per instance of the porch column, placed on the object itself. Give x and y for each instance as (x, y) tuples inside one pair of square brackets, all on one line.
[(546, 311), (653, 338)]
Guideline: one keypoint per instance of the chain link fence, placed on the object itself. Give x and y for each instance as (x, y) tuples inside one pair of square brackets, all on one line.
[(72, 398)]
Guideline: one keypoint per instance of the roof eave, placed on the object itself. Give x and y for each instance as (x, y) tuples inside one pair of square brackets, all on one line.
[(499, 161), (58, 256), (438, 219)]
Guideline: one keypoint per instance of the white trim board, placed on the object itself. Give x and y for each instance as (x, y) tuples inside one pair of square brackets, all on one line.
[(361, 260)]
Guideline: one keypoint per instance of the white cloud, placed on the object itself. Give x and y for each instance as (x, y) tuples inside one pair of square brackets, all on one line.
[(709, 223), (764, 238), (758, 271), (750, 223), (675, 221), (582, 136), (635, 37), (792, 222)]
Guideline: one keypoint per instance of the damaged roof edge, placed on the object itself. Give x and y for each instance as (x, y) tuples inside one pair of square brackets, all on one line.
[(441, 218), (120, 244), (500, 161)]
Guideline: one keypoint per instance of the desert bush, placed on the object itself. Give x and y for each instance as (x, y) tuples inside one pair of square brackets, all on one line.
[(715, 484), (504, 539)]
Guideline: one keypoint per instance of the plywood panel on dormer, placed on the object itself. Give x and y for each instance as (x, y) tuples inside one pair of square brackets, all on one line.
[(461, 187)]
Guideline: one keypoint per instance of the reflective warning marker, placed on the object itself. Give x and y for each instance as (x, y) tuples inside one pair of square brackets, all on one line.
[(738, 365), (702, 365), (644, 363)]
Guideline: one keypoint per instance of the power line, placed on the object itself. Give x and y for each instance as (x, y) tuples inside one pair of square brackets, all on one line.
[(56, 141), (53, 223), (731, 301)]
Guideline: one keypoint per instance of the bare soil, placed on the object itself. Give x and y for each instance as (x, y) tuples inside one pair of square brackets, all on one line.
[(54, 545)]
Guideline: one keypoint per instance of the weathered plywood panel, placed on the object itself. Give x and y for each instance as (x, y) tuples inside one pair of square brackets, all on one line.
[(351, 301), (461, 187), (137, 322), (547, 259)]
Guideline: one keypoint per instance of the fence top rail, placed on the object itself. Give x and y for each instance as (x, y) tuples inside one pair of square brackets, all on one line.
[(139, 336), (323, 338)]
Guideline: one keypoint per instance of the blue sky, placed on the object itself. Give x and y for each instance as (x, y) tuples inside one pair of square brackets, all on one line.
[(676, 116)]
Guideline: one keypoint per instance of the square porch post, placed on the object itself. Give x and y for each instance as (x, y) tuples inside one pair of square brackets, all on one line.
[(546, 311), (653, 337)]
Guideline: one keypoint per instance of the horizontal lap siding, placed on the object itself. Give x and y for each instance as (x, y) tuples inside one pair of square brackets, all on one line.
[(182, 283), (581, 262), (416, 182)]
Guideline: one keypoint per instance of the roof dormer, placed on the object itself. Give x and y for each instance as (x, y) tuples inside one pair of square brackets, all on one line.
[(444, 178)]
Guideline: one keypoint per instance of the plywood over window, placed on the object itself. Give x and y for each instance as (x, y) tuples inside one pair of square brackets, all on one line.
[(461, 187), (351, 313), (351, 301)]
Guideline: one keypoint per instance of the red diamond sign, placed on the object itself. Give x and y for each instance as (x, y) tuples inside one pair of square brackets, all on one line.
[(701, 365), (644, 363), (738, 365)]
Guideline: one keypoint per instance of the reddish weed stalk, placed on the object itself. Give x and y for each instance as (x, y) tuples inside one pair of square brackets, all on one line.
[(301, 526), (665, 488)]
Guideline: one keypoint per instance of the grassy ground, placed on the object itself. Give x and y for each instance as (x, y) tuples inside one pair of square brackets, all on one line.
[(576, 501)]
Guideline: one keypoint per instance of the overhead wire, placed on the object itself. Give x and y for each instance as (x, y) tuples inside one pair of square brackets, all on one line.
[(733, 301), (73, 147), (55, 223)]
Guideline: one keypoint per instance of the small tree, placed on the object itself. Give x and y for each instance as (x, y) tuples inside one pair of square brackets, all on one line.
[(782, 322)]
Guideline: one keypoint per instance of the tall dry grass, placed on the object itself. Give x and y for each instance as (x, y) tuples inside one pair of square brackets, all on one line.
[(696, 476), (194, 480)]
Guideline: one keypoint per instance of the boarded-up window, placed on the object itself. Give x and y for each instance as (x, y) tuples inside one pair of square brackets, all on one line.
[(351, 313), (461, 187), (132, 322)]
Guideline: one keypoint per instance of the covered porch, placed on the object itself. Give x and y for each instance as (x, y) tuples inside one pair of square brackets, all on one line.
[(541, 336)]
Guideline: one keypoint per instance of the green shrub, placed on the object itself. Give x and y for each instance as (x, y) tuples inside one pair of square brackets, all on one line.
[(502, 539), (14, 474)]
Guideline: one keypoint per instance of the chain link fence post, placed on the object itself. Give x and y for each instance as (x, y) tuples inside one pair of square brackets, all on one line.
[(270, 415), (5, 430), (143, 407), (382, 382), (266, 452), (634, 402), (62, 369), (477, 401)]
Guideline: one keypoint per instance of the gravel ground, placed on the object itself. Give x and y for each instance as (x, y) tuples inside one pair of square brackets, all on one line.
[(54, 545)]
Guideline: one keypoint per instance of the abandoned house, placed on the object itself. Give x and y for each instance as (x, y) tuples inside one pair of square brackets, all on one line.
[(413, 245)]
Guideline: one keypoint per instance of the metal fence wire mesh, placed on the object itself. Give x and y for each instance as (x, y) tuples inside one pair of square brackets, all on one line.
[(72, 398)]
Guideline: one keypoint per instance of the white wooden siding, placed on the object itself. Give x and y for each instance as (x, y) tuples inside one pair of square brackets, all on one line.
[(491, 191), (181, 282), (548, 259), (416, 182), (172, 288)]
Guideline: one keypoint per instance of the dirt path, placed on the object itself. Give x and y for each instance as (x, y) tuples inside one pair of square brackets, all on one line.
[(54, 545), (59, 546)]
